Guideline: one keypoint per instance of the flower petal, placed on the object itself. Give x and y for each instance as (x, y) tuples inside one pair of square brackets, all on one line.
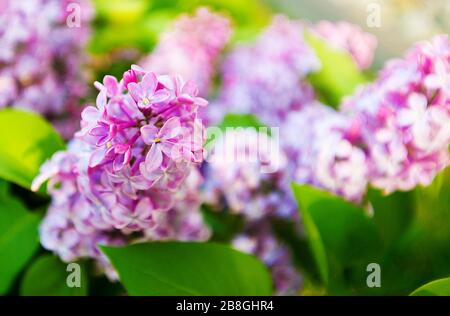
[(149, 133), (171, 129), (149, 83), (154, 158)]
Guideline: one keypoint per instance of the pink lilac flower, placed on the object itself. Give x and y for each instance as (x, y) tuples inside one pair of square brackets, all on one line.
[(405, 117), (108, 188), (350, 38), (265, 77), (324, 149), (260, 241), (191, 48), (41, 57)]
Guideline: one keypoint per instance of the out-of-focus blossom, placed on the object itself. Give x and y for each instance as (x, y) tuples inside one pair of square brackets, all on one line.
[(405, 117), (264, 77), (261, 242), (324, 150), (191, 48), (41, 54), (350, 38), (246, 169), (108, 186)]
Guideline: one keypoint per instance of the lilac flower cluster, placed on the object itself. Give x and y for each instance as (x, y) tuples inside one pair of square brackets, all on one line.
[(41, 56), (350, 38), (246, 168), (265, 77), (405, 117), (260, 241), (130, 173), (324, 150), (246, 171), (191, 48)]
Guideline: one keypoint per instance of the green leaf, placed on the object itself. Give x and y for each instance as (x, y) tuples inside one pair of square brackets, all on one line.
[(224, 224), (26, 141), (18, 240), (188, 268), (4, 190), (339, 74), (314, 238), (47, 276), (436, 288), (393, 214), (343, 238)]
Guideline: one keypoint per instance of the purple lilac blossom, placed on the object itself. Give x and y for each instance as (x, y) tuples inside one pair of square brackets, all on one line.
[(246, 169), (130, 173), (265, 77), (323, 147), (261, 242), (350, 38), (191, 47), (41, 56), (405, 117)]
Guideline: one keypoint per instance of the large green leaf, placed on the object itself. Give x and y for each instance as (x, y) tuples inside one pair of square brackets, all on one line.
[(436, 288), (18, 240), (343, 238), (314, 238), (47, 276), (393, 214), (26, 141), (339, 74), (188, 268)]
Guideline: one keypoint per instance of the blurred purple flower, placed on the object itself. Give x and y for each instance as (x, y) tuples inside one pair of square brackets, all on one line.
[(191, 47), (405, 117), (41, 58)]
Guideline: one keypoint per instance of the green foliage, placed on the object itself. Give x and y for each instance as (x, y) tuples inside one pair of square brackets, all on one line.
[(26, 141), (421, 252), (339, 74), (394, 213), (436, 288), (407, 236), (224, 225), (47, 276), (18, 239), (188, 268), (343, 239), (138, 23)]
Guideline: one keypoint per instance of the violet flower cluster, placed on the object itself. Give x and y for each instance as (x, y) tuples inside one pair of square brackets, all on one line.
[(191, 47), (264, 77), (260, 241), (246, 170), (129, 175), (324, 150), (404, 117), (41, 54)]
